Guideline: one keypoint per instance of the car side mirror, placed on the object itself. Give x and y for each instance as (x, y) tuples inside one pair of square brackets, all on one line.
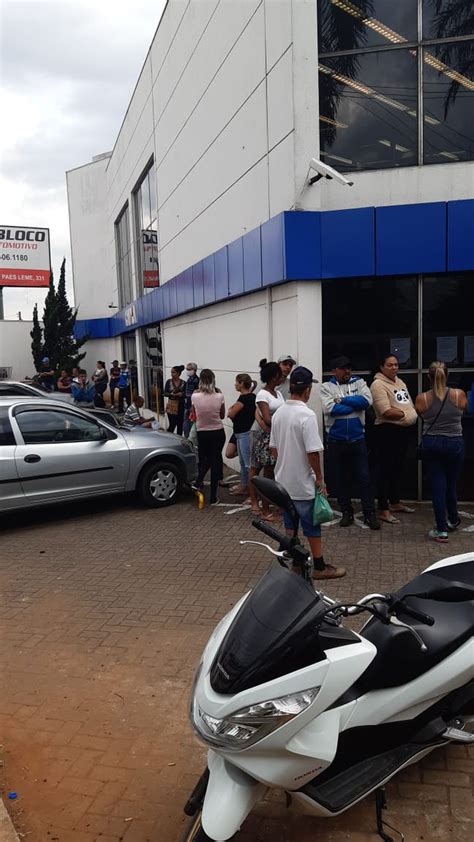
[(276, 494), (103, 435)]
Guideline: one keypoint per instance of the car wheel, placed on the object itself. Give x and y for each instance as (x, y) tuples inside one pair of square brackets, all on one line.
[(158, 484)]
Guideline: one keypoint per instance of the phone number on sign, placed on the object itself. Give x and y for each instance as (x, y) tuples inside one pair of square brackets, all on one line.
[(15, 257)]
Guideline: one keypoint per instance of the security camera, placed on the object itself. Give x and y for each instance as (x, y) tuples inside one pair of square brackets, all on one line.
[(323, 171)]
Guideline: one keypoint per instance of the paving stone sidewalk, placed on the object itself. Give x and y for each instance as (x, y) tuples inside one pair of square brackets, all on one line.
[(105, 609)]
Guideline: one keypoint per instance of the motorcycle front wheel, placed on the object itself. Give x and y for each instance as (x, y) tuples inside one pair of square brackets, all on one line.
[(195, 833)]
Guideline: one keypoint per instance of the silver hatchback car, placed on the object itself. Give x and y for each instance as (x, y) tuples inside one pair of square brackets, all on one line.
[(51, 452)]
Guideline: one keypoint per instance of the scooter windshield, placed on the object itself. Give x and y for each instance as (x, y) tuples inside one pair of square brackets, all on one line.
[(274, 633)]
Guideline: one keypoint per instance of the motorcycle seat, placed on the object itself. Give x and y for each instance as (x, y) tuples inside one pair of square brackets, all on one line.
[(399, 657)]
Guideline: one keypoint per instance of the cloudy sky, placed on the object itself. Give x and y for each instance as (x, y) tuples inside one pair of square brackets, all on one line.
[(67, 72)]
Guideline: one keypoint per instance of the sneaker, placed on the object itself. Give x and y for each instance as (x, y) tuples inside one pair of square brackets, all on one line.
[(347, 519), (371, 521), (452, 525), (436, 535), (329, 572)]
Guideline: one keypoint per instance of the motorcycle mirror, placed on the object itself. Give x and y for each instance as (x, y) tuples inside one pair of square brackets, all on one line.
[(276, 494)]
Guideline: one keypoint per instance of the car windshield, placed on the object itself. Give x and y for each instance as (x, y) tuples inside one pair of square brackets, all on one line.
[(274, 633)]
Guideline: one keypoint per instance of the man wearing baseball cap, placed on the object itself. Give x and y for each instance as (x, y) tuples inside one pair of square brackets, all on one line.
[(46, 374), (344, 399), (296, 445), (286, 363)]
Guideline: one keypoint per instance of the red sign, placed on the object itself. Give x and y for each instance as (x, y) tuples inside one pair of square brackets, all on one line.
[(24, 257)]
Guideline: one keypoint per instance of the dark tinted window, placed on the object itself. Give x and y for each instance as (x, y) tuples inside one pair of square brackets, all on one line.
[(368, 110), (448, 320), (9, 389), (447, 18), (355, 24), (6, 432), (47, 426), (449, 102), (364, 317)]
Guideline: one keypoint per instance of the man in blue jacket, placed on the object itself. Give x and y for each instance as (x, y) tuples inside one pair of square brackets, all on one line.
[(344, 399)]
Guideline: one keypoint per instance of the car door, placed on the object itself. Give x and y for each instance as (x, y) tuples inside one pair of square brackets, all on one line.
[(62, 453), (11, 491)]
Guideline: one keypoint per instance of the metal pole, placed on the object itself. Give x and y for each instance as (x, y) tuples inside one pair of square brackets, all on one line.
[(1, 304)]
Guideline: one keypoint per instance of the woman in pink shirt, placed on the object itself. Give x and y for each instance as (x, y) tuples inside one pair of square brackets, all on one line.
[(209, 407)]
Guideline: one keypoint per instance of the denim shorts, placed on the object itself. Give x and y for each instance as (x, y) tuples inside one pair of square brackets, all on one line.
[(305, 511)]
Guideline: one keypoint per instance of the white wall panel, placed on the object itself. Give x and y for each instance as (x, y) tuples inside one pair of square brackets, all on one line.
[(239, 76), (278, 26), (15, 348), (235, 151), (169, 71), (403, 185), (223, 37), (280, 99), (281, 176), (239, 210)]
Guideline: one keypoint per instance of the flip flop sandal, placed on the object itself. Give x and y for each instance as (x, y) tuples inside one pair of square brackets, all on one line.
[(406, 509), (389, 519), (271, 518)]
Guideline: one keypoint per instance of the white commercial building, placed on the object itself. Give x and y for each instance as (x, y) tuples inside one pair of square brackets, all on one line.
[(200, 237)]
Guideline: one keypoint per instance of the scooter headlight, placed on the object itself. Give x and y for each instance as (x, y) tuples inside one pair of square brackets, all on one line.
[(250, 724)]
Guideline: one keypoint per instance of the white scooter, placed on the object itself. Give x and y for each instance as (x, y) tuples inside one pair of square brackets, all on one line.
[(286, 697)]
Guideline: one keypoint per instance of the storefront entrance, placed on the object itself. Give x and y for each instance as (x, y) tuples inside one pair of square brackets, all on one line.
[(421, 319)]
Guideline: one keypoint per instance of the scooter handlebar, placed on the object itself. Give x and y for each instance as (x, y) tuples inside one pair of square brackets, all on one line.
[(416, 615), (283, 540)]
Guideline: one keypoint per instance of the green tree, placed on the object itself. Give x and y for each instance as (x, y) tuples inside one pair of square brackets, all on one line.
[(36, 339), (56, 338)]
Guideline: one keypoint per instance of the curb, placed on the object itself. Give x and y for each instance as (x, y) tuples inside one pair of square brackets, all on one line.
[(7, 831)]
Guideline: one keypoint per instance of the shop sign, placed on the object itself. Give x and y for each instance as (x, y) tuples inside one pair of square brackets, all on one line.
[(25, 259)]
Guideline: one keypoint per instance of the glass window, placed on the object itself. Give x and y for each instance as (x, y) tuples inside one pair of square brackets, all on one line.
[(356, 24), (45, 426), (448, 320), (368, 110), (366, 317), (447, 18), (6, 432), (448, 91), (122, 246), (153, 362), (146, 213)]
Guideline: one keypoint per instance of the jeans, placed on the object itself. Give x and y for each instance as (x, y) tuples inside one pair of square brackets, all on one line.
[(187, 424), (124, 398), (349, 462), (444, 469), (305, 513), (113, 385), (392, 442), (243, 449), (210, 444)]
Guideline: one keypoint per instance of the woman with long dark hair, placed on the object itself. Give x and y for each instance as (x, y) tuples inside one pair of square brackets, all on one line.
[(209, 407), (394, 414), (174, 392), (441, 409), (268, 400)]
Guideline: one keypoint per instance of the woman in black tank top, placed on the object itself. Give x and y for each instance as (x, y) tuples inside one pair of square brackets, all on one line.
[(441, 410)]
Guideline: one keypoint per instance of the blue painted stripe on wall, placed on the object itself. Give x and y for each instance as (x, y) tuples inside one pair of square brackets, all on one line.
[(348, 243), (460, 235), (411, 239), (235, 257), (302, 245), (309, 245)]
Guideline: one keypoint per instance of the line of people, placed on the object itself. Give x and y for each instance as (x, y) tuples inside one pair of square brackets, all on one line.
[(273, 435)]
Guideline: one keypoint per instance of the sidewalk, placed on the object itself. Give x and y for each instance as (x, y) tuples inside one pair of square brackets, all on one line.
[(105, 610)]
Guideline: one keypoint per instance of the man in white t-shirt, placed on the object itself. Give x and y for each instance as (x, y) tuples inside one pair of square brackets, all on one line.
[(297, 444)]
